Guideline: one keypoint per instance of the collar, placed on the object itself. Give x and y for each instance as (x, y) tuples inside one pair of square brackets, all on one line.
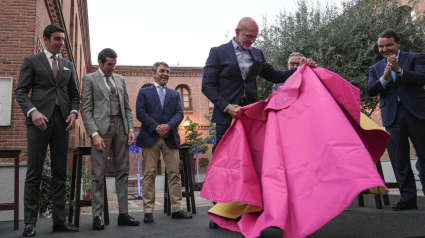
[(48, 54), (103, 75), (237, 47), (156, 85)]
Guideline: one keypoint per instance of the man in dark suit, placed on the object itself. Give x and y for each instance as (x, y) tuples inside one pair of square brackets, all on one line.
[(399, 79), (230, 76), (50, 113), (108, 120), (160, 111)]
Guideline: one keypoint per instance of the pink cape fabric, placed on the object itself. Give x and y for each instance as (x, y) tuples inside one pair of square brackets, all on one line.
[(301, 155)]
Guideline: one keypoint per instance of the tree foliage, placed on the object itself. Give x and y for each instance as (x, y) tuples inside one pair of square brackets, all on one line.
[(341, 39)]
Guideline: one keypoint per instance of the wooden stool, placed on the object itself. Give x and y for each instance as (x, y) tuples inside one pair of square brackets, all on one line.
[(12, 153), (74, 199), (187, 178), (378, 201)]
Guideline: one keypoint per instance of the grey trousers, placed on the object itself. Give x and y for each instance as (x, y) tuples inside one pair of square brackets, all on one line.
[(115, 139)]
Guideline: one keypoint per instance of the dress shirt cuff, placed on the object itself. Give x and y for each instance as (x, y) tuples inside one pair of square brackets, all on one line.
[(131, 130), (75, 112), (226, 108), (29, 112), (94, 134), (383, 81)]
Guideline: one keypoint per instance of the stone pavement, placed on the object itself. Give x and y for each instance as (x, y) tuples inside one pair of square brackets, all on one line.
[(135, 205)]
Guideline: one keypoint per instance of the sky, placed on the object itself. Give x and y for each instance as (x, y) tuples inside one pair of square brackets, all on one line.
[(180, 33)]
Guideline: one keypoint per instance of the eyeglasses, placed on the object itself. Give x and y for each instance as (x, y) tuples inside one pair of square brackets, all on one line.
[(294, 63), (251, 37)]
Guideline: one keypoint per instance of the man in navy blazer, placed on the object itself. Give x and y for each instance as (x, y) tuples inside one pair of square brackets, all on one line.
[(160, 111), (399, 79), (230, 76)]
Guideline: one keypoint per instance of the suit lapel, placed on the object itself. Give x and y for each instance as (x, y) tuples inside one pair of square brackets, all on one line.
[(101, 84), (232, 55), (255, 60), (167, 97), (45, 62), (61, 64), (156, 95), (118, 86)]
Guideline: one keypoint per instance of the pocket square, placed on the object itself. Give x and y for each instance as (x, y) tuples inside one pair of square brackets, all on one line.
[(65, 68)]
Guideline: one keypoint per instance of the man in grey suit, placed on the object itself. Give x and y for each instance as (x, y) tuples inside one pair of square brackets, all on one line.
[(50, 113), (108, 120)]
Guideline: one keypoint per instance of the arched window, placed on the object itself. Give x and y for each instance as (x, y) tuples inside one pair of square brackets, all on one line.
[(147, 85), (185, 96)]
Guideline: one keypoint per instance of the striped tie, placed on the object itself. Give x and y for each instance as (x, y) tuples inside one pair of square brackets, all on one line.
[(111, 85), (55, 70)]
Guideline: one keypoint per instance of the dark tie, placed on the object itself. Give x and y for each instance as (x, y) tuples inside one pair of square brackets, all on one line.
[(161, 95), (111, 85), (55, 68)]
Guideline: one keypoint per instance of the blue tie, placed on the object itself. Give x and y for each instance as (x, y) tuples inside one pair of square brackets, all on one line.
[(394, 75), (161, 95)]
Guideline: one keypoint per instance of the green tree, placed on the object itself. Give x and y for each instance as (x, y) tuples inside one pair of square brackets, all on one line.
[(211, 139), (196, 143), (341, 39)]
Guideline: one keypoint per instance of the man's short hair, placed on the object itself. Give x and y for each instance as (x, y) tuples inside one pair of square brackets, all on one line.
[(388, 33), (107, 52), (155, 66), (294, 54), (50, 29)]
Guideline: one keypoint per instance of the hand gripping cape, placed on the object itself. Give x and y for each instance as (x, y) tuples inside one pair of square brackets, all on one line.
[(295, 160)]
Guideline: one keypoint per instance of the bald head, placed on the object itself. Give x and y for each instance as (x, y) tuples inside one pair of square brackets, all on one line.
[(246, 32), (247, 23)]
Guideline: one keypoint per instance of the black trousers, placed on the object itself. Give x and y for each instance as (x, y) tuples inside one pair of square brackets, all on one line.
[(57, 138), (404, 126)]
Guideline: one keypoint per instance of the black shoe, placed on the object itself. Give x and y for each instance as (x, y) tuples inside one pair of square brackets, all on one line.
[(181, 215), (213, 225), (125, 219), (405, 205), (29, 230), (148, 218), (98, 223), (64, 226)]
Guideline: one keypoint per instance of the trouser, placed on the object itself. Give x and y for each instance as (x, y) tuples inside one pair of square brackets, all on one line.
[(151, 156), (57, 138), (117, 140), (407, 125)]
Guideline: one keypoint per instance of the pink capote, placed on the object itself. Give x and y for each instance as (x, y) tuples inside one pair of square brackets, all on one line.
[(301, 155)]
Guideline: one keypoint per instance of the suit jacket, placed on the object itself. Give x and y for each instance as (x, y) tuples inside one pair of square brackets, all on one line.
[(95, 108), (150, 114), (409, 87), (37, 75), (222, 81)]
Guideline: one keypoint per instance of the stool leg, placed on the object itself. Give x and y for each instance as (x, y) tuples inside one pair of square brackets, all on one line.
[(360, 200), (16, 203), (106, 205), (378, 201), (72, 192), (78, 190), (386, 199), (165, 192)]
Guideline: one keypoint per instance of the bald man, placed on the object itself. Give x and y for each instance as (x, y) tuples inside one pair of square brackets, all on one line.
[(230, 76)]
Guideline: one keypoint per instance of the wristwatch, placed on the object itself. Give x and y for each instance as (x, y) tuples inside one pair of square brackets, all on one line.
[(399, 71)]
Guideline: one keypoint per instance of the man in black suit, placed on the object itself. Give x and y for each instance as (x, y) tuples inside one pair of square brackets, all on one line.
[(399, 80), (230, 76), (50, 113)]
